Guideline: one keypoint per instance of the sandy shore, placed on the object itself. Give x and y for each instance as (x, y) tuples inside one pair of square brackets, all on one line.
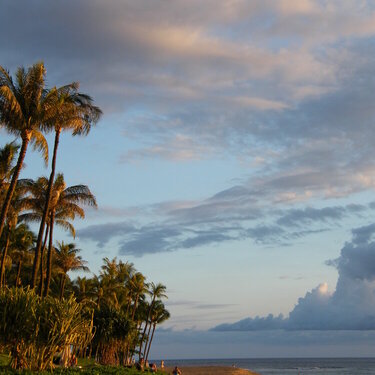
[(211, 370)]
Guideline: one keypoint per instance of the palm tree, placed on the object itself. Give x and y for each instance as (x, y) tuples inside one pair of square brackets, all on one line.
[(19, 203), (35, 203), (159, 315), (65, 205), (114, 277), (22, 241), (7, 158), (138, 287), (21, 113), (157, 291), (68, 109), (84, 289), (68, 260)]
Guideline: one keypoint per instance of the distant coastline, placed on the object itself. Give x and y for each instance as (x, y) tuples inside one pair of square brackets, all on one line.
[(279, 366), (212, 370)]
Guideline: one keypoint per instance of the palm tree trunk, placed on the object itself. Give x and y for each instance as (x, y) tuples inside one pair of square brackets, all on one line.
[(146, 324), (128, 306), (46, 207), (41, 281), (147, 341), (135, 306), (3, 258), (18, 273), (149, 345), (49, 255), (63, 280), (5, 208)]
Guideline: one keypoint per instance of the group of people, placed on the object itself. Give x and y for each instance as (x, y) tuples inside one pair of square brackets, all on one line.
[(142, 364)]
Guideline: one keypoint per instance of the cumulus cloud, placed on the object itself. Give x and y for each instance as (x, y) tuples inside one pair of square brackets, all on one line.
[(350, 307)]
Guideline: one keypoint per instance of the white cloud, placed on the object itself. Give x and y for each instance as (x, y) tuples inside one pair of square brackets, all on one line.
[(350, 307)]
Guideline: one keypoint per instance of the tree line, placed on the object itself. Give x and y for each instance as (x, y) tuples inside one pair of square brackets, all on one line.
[(111, 316)]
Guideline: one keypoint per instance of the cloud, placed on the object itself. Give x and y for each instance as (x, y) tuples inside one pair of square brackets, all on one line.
[(350, 307), (102, 233), (255, 80), (310, 215), (257, 324), (228, 216), (178, 148)]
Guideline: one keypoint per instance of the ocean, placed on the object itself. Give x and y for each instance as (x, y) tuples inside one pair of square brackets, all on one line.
[(290, 366)]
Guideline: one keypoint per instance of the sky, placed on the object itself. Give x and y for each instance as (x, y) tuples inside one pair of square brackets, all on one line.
[(234, 161)]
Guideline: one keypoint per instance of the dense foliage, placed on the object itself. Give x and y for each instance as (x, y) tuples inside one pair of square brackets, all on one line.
[(45, 314)]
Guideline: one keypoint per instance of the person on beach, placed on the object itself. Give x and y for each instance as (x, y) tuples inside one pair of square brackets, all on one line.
[(162, 365), (176, 371)]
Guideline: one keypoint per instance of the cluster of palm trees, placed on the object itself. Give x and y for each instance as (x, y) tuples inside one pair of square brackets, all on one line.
[(29, 110), (127, 311)]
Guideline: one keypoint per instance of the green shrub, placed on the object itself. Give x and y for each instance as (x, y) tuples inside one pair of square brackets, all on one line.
[(34, 330)]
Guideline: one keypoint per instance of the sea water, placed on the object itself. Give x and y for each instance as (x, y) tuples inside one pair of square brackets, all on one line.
[(290, 366)]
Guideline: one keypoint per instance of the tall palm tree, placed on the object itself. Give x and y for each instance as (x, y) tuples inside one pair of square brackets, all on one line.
[(157, 291), (159, 315), (65, 205), (68, 109), (22, 108), (35, 203), (68, 260)]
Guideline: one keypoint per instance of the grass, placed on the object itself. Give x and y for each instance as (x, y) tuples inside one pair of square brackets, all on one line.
[(89, 367), (97, 370)]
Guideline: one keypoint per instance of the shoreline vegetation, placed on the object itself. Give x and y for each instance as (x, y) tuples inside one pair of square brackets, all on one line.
[(48, 319)]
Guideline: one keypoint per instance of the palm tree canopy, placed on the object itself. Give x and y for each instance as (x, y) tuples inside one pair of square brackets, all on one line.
[(159, 313), (158, 290), (69, 109), (7, 162), (66, 201), (23, 103), (22, 241), (67, 258)]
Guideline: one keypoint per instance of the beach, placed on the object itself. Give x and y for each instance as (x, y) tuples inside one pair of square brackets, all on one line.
[(211, 370)]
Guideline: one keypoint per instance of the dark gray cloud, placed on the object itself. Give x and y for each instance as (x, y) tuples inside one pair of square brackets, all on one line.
[(218, 220), (350, 307), (103, 233), (269, 322), (309, 215)]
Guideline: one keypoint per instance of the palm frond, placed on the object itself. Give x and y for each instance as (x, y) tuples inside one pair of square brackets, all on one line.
[(40, 144)]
